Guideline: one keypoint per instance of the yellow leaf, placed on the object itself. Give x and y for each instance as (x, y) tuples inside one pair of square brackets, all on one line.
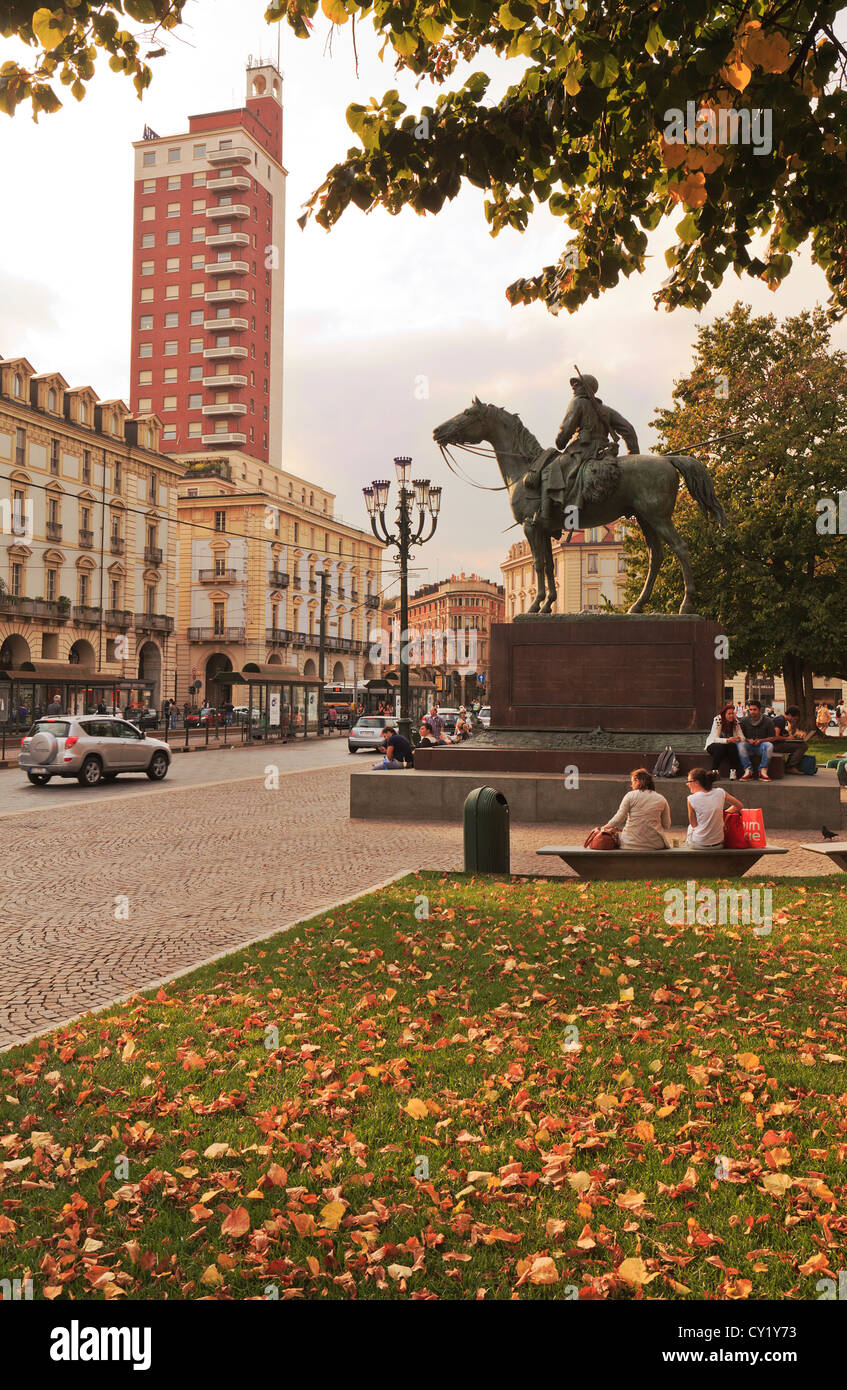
[(633, 1271), (571, 84), (580, 1182), (417, 1109), (645, 1131), (771, 52), (50, 28), (129, 1051), (331, 1215), (748, 1060), (776, 1182), (543, 1271), (737, 74), (212, 1276), (627, 994)]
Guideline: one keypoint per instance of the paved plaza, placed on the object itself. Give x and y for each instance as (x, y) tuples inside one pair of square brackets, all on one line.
[(108, 892)]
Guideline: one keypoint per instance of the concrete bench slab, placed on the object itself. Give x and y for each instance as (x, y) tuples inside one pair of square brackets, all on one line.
[(836, 850), (684, 863)]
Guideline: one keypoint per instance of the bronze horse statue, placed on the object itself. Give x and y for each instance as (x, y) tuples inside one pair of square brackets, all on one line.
[(646, 489)]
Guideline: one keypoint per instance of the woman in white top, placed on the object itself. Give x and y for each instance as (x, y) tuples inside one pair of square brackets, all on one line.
[(706, 805), (643, 816), (726, 743)]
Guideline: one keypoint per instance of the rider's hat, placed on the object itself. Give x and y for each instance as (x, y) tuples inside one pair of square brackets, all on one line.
[(590, 381)]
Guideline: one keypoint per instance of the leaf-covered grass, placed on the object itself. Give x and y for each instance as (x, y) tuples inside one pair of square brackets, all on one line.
[(603, 1103)]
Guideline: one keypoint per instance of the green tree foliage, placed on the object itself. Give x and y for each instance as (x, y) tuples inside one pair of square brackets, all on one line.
[(582, 130), (66, 39), (775, 578)]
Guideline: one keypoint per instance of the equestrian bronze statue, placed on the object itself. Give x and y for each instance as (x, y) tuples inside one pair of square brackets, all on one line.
[(582, 483)]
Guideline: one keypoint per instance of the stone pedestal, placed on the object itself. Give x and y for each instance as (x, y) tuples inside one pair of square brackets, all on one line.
[(619, 672)]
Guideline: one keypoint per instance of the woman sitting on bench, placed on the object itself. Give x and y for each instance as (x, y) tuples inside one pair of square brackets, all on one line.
[(706, 805), (643, 816)]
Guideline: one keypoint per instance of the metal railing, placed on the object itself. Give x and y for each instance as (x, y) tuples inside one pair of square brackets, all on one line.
[(217, 634), (153, 554), (216, 576)]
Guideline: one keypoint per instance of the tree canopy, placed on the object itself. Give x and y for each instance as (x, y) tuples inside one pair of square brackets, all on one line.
[(777, 575), (583, 127), (66, 38)]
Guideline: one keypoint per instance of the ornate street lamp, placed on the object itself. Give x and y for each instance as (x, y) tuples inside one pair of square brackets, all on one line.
[(427, 499)]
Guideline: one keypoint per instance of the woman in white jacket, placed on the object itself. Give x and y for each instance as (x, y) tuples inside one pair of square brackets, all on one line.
[(725, 740)]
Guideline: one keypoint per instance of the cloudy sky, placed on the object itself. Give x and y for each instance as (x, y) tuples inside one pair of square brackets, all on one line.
[(371, 307)]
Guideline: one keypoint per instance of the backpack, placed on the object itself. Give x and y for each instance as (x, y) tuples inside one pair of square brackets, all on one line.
[(667, 763), (809, 764)]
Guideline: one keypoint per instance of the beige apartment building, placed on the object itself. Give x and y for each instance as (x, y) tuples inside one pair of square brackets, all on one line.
[(590, 568), (253, 542), (88, 521)]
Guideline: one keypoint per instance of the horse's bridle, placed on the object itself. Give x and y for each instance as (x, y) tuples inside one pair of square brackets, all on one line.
[(454, 467)]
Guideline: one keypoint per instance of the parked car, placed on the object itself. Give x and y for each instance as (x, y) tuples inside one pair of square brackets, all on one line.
[(241, 714), (485, 716), (94, 748), (367, 731), (199, 721)]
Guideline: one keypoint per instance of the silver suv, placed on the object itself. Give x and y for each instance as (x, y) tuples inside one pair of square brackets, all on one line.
[(94, 748), (367, 732)]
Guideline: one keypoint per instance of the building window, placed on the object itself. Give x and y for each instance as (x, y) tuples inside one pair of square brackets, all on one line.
[(199, 205), (198, 234), (172, 239), (220, 521), (147, 296), (148, 213), (169, 403), (172, 266), (149, 157), (86, 465), (145, 404), (146, 267), (195, 373), (195, 428), (219, 618), (150, 598), (171, 347), (54, 457), (145, 378), (199, 152), (148, 186), (115, 590), (145, 323), (198, 262), (173, 209), (196, 345), (174, 155), (83, 589), (174, 181), (171, 374), (198, 180), (169, 432), (195, 402), (171, 321), (592, 564), (117, 475)]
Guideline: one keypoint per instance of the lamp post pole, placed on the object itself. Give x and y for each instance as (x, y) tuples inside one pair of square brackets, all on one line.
[(408, 534)]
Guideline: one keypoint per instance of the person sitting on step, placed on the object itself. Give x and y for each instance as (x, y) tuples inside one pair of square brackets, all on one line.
[(758, 733), (725, 738)]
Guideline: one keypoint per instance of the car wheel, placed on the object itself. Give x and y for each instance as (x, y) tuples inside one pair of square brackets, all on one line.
[(91, 773), (38, 779), (351, 748), (158, 767)]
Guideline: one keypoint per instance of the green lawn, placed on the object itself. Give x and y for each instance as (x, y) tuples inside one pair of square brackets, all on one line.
[(570, 1071)]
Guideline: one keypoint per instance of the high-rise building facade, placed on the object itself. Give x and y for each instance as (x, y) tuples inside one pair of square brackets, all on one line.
[(207, 293)]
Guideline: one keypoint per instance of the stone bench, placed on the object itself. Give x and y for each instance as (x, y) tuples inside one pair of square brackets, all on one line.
[(836, 850), (599, 864)]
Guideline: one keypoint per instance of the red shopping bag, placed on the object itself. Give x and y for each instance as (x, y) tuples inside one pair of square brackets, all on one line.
[(734, 836), (754, 827)]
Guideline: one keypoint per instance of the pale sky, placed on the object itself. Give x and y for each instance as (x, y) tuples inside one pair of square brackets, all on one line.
[(370, 307)]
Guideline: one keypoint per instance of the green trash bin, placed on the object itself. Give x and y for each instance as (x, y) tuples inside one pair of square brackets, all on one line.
[(486, 832)]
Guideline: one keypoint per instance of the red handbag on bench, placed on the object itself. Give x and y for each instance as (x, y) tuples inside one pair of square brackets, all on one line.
[(603, 839), (734, 836)]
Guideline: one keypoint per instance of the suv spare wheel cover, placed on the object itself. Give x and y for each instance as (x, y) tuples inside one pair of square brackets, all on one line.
[(43, 748)]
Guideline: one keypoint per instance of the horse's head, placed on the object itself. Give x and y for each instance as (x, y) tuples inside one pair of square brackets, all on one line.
[(468, 427)]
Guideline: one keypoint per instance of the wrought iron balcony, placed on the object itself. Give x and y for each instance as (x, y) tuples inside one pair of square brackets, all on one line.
[(86, 613), (119, 617), (278, 636), (152, 554), (217, 634), (278, 579), (86, 538), (150, 622), (54, 530), (372, 600), (34, 607), (226, 576), (117, 545)]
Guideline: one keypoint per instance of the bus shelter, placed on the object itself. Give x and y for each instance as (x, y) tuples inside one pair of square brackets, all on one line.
[(26, 691), (281, 703)]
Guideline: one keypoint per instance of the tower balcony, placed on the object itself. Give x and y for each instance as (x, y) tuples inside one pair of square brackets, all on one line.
[(225, 408), (227, 296), (228, 239), (238, 154), (226, 183), (226, 326), (223, 210), (219, 441), (226, 267), (218, 354), (218, 383)]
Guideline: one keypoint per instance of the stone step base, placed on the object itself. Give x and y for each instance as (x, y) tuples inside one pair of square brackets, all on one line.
[(543, 798)]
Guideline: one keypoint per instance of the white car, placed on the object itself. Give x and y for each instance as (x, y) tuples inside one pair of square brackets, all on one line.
[(367, 732), (484, 716)]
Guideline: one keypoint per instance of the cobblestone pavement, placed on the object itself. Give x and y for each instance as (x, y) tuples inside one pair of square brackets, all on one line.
[(198, 871)]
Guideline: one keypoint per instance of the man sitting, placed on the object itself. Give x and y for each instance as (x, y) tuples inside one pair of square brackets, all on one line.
[(398, 752), (790, 739), (758, 734)]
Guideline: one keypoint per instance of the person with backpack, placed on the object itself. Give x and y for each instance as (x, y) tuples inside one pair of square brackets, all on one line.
[(706, 805), (643, 816)]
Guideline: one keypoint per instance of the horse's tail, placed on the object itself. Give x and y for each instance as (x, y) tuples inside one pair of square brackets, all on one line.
[(698, 480)]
